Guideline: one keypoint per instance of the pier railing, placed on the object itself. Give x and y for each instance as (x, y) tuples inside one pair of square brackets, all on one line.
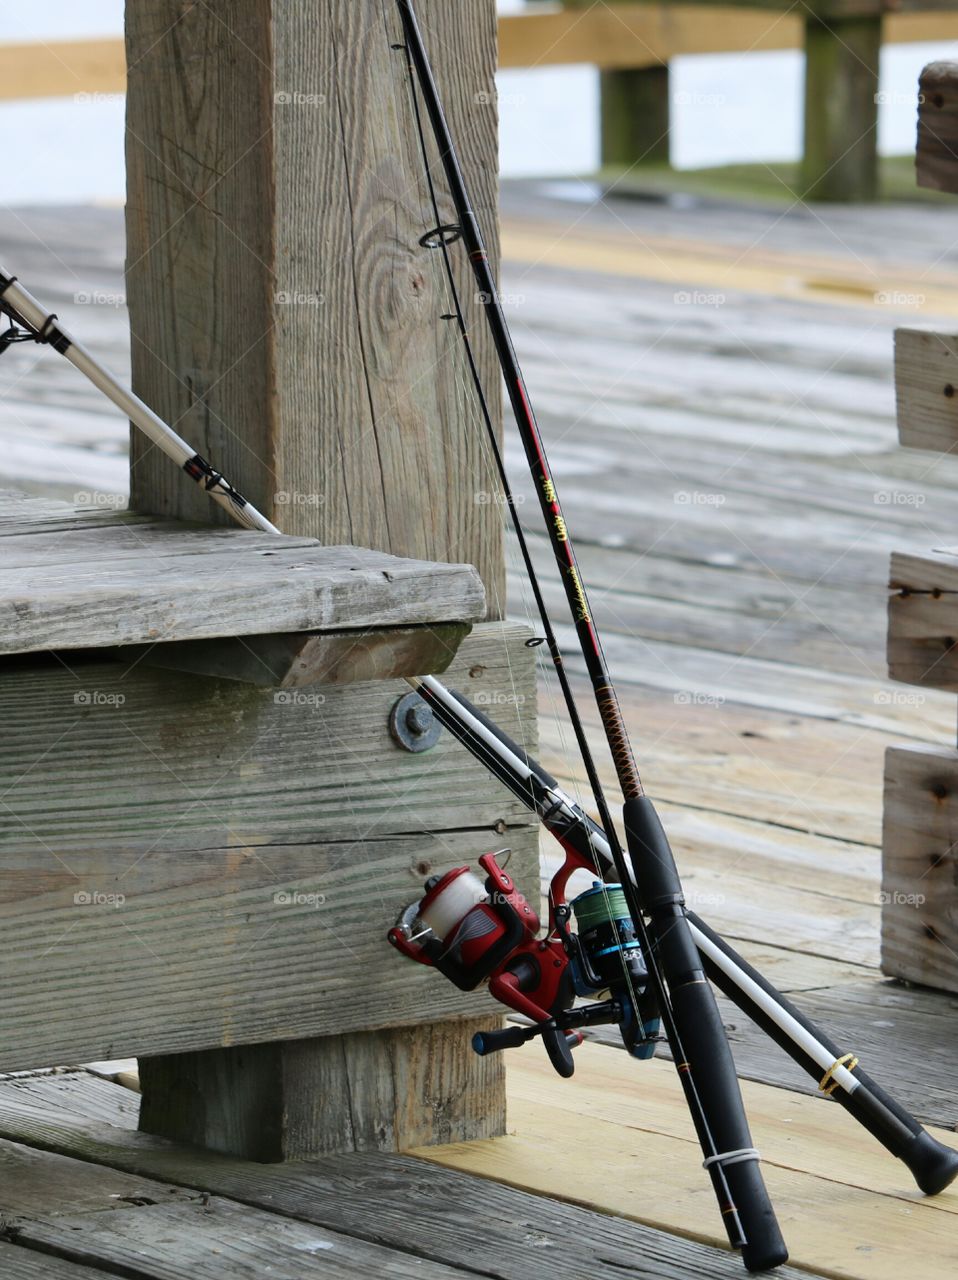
[(632, 45)]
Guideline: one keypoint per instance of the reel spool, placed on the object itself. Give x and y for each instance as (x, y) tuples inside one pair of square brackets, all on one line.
[(609, 954)]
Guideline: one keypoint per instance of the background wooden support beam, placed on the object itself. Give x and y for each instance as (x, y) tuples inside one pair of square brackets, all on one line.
[(635, 116), (920, 866), (840, 160), (926, 389), (937, 157), (285, 315)]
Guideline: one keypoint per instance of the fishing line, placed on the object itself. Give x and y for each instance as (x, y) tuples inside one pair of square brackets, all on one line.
[(441, 237)]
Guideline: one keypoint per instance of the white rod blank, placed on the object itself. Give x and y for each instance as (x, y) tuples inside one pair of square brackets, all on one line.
[(49, 330)]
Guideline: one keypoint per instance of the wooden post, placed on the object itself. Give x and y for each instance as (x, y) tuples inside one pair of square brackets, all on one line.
[(840, 159), (285, 316), (636, 116), (281, 308), (634, 109)]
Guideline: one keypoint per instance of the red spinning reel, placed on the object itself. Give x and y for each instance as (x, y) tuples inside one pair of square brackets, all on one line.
[(475, 932)]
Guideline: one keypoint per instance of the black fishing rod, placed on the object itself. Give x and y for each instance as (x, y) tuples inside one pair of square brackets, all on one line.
[(836, 1071), (654, 896)]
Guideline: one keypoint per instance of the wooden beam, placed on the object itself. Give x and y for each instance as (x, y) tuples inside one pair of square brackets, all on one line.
[(840, 160), (63, 68), (937, 157), (920, 866), (926, 389), (307, 1098), (196, 864), (636, 35), (923, 620)]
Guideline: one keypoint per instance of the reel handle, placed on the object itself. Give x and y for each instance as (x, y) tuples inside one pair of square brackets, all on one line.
[(559, 1044)]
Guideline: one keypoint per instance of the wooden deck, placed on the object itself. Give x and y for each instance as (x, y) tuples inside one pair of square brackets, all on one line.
[(714, 383)]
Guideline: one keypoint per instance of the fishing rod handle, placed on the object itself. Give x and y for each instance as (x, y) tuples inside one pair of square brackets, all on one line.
[(933, 1165), (702, 1033)]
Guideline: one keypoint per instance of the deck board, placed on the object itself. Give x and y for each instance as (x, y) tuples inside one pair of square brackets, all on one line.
[(399, 1202), (730, 473)]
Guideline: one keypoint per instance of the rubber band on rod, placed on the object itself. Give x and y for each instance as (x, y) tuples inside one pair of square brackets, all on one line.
[(732, 1157), (828, 1084)]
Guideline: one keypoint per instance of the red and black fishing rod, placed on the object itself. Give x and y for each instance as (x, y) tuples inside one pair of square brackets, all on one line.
[(655, 900)]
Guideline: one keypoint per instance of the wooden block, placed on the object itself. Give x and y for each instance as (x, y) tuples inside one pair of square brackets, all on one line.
[(383, 1090), (926, 389), (937, 156), (920, 866), (306, 658), (923, 619), (193, 863)]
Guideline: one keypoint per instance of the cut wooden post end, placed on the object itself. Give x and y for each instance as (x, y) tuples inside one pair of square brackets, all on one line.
[(919, 896), (923, 619), (936, 163), (926, 389)]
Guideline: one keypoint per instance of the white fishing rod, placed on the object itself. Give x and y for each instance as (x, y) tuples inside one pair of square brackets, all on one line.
[(30, 323), (933, 1165)]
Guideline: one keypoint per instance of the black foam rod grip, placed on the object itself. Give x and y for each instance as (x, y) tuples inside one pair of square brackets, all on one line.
[(703, 1058), (933, 1165)]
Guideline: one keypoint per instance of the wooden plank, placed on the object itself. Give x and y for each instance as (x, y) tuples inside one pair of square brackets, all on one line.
[(59, 594), (306, 658), (312, 364), (218, 1240), (86, 70), (854, 1216), (920, 901), (937, 158), (127, 761), (133, 1226), (751, 682), (404, 1203), (923, 620), (24, 1264), (242, 891), (926, 382), (637, 35)]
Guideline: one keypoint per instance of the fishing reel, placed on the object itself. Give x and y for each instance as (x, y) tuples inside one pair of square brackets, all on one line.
[(484, 931)]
